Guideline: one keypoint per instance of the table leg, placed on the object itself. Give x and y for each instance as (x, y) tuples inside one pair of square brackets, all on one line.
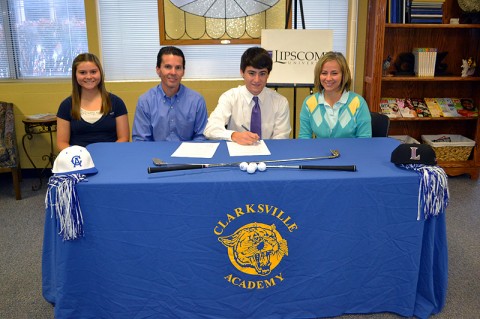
[(30, 136), (50, 158)]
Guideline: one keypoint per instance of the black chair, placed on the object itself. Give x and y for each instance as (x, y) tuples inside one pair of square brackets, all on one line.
[(380, 124)]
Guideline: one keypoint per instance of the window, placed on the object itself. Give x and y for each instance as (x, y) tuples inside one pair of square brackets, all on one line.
[(206, 22), (40, 38), (130, 32)]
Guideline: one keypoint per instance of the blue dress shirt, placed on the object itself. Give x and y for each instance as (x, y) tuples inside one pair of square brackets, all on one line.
[(181, 117)]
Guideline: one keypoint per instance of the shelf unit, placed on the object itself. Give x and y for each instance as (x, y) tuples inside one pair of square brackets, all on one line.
[(460, 41)]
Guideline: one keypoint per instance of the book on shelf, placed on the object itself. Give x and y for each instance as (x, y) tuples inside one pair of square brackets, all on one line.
[(428, 1), (426, 20), (433, 107), (406, 108), (447, 107), (413, 11), (419, 106), (397, 11), (424, 3), (426, 11), (465, 107), (426, 16), (425, 59), (428, 107), (389, 107), (397, 107), (427, 5)]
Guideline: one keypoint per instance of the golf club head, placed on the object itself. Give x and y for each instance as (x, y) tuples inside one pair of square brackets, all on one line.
[(335, 153), (158, 162)]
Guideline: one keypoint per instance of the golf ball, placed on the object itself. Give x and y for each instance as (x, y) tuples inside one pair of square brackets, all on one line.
[(251, 168), (261, 166), (243, 166)]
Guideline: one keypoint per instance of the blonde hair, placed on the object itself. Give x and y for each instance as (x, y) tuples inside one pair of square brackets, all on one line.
[(333, 56), (77, 89)]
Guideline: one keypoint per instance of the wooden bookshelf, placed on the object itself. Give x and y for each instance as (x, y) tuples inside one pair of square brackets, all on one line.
[(459, 40)]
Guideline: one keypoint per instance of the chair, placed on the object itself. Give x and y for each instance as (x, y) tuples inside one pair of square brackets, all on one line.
[(380, 124), (9, 161)]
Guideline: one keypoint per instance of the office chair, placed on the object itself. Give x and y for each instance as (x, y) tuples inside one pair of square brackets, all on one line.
[(380, 124)]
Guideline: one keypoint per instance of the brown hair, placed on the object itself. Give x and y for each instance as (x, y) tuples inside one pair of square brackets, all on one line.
[(167, 51), (77, 89), (257, 58), (333, 56)]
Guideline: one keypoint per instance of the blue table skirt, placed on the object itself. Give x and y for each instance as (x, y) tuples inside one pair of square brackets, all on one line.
[(156, 246)]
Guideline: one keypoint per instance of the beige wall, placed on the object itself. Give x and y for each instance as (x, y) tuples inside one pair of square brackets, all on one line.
[(33, 97)]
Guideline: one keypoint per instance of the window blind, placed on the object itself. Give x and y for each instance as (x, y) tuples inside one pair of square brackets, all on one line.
[(40, 38), (130, 40), (4, 67)]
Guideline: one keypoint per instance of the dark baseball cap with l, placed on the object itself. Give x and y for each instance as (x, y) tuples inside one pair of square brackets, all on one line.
[(414, 154)]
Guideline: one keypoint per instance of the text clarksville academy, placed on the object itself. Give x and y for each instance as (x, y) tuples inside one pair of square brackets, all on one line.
[(277, 214)]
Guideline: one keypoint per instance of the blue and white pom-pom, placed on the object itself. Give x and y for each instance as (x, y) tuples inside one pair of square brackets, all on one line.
[(433, 195), (62, 198)]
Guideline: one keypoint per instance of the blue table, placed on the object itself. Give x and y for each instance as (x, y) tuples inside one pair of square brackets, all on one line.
[(221, 243)]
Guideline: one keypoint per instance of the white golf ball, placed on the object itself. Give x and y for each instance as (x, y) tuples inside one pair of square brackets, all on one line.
[(251, 168), (261, 166), (243, 166)]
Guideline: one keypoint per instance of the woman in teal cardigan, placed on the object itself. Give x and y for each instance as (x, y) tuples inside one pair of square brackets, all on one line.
[(334, 111)]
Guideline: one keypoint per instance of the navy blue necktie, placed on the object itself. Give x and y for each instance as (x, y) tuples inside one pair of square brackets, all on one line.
[(256, 120)]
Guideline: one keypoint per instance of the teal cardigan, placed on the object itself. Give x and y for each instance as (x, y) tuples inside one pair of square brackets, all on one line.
[(353, 118)]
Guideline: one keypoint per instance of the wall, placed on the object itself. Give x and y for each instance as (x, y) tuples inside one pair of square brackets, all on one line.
[(33, 97)]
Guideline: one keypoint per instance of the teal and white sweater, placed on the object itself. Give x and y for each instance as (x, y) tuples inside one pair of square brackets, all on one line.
[(349, 117)]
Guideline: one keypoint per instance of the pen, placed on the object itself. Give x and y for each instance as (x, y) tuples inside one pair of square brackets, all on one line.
[(246, 129)]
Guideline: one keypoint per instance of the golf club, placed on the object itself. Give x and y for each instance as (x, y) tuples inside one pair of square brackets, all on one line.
[(165, 167)]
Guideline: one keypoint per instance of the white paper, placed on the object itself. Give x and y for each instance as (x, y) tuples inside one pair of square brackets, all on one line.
[(259, 148), (200, 150)]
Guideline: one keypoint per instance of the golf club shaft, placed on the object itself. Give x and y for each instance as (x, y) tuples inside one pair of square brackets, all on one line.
[(179, 167), (349, 168), (335, 154)]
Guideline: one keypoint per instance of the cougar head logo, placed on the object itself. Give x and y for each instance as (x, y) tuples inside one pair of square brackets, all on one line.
[(255, 248)]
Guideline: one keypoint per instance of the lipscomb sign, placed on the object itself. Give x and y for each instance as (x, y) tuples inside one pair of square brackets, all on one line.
[(295, 53)]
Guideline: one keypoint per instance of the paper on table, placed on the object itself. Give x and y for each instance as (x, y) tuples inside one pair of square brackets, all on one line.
[(260, 148), (200, 150)]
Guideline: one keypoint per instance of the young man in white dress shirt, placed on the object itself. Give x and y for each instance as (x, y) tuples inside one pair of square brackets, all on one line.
[(233, 120)]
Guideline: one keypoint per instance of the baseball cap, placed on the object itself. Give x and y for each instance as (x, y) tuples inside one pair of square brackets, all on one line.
[(414, 154), (74, 160)]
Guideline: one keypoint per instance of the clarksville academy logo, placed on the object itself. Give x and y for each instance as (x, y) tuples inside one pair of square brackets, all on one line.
[(76, 161), (255, 249)]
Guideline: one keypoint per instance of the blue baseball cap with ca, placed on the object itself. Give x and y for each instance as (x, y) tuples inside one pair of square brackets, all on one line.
[(74, 160)]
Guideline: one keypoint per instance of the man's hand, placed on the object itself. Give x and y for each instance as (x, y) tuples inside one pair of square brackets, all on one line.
[(245, 138)]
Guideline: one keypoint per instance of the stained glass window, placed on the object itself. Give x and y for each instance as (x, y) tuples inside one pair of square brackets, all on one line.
[(218, 21)]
